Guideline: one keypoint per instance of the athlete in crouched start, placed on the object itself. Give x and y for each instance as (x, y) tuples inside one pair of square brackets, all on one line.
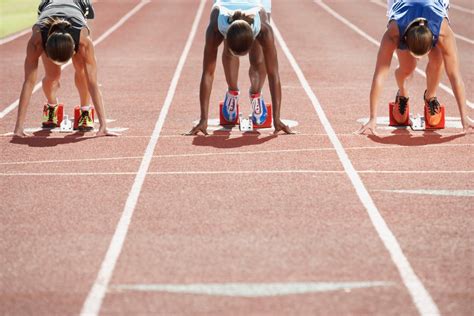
[(62, 34), (418, 28), (243, 27)]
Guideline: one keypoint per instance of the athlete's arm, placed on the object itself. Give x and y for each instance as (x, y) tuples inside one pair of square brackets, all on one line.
[(447, 44), (33, 52), (384, 57), (87, 52), (267, 41), (213, 40)]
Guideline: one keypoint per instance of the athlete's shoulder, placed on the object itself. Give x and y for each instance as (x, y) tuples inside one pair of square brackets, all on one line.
[(214, 18), (36, 35), (392, 31)]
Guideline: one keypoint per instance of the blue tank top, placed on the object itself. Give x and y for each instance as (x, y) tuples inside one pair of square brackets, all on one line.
[(227, 9), (404, 12)]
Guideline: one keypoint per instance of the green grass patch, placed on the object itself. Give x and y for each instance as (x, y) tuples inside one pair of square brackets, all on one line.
[(17, 15)]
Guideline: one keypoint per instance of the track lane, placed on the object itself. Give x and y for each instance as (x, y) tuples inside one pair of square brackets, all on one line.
[(189, 239), (79, 214), (337, 43)]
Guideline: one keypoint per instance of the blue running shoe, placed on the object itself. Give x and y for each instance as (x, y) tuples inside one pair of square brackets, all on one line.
[(231, 103), (259, 109)]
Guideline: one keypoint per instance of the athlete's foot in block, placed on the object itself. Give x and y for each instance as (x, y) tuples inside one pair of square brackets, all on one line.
[(230, 107), (433, 111), (85, 122), (50, 116), (259, 109), (400, 113)]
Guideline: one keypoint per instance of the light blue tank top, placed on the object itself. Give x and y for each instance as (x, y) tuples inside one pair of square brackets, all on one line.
[(227, 9), (405, 12)]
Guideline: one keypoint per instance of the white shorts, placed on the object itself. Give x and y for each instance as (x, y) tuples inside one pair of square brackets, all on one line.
[(266, 4)]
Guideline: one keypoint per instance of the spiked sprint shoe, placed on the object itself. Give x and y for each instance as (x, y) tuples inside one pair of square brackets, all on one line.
[(229, 109), (83, 120), (261, 112), (434, 113), (52, 115), (399, 111)]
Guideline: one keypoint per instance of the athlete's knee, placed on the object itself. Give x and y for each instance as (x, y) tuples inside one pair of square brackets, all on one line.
[(52, 79), (404, 71)]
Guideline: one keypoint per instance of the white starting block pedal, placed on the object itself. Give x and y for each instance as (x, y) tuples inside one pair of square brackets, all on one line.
[(246, 124), (66, 125), (417, 123)]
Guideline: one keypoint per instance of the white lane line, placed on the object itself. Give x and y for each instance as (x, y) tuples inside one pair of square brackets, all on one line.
[(230, 172), (433, 192), (419, 294), (375, 42), (14, 36), (229, 153), (250, 289), (460, 8), (127, 16), (462, 38), (93, 302)]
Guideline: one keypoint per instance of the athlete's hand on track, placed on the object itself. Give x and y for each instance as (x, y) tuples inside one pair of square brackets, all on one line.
[(200, 127), (467, 124), (371, 125), (105, 132), (279, 126)]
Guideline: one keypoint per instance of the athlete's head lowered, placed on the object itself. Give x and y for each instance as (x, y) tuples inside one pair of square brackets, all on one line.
[(60, 44), (419, 38), (240, 35)]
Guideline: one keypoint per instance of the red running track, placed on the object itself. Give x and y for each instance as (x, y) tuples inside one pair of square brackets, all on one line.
[(232, 208)]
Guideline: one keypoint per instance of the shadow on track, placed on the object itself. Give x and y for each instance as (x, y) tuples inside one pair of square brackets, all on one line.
[(41, 139), (406, 138), (222, 139)]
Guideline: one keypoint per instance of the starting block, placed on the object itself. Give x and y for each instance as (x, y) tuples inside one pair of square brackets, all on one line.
[(77, 115), (441, 122), (223, 121), (60, 115), (393, 122), (269, 121), (417, 123), (66, 125), (245, 125)]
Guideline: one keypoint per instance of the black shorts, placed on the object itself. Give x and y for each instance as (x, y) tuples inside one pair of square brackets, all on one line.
[(84, 5)]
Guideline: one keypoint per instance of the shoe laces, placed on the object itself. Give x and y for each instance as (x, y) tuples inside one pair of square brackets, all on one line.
[(402, 104), (84, 116), (51, 113), (256, 105), (433, 105)]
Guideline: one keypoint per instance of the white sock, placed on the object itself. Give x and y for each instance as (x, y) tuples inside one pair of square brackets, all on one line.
[(85, 108)]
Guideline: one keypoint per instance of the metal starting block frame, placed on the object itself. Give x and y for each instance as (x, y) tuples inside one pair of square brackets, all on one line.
[(245, 124), (66, 125), (417, 123)]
